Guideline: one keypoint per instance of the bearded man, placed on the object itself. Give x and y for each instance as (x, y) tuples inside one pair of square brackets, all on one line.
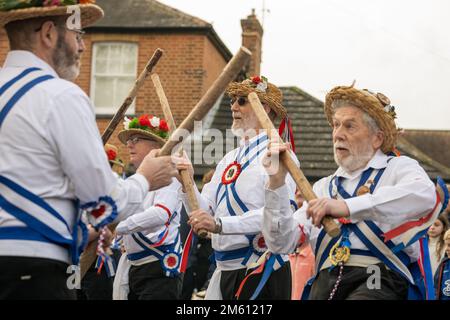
[(384, 203), (52, 161)]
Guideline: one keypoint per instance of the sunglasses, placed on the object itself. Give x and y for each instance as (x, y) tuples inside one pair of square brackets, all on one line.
[(241, 101)]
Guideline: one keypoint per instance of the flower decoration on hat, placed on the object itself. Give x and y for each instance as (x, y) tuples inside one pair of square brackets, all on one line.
[(385, 102), (260, 83), (112, 155), (148, 123)]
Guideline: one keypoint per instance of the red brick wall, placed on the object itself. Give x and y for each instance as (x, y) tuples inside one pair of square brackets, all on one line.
[(213, 64)]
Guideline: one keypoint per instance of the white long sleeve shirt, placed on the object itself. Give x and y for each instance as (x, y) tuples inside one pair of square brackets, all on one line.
[(403, 193), (250, 187), (151, 219), (50, 145)]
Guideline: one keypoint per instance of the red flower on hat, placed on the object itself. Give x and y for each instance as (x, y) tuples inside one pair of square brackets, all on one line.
[(144, 120), (163, 125), (111, 155), (256, 79)]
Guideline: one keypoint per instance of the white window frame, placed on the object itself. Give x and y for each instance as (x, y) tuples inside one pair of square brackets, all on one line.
[(111, 109)]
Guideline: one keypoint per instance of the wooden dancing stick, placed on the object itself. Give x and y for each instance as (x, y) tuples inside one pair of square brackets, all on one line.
[(185, 176), (89, 254), (118, 117), (230, 72), (303, 185)]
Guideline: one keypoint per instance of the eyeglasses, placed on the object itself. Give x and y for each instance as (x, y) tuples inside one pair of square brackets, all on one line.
[(135, 140), (240, 100), (79, 33)]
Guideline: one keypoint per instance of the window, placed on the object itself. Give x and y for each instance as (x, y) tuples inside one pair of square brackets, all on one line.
[(114, 67)]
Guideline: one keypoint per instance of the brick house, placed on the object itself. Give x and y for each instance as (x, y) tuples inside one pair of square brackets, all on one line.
[(119, 46)]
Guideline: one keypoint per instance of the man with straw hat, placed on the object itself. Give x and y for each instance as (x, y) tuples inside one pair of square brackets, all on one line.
[(231, 205), (52, 160), (150, 269), (384, 202)]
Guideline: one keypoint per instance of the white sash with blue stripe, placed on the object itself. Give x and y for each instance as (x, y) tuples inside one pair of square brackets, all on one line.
[(42, 222)]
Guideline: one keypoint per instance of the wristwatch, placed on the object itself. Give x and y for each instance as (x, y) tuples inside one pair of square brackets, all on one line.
[(218, 228)]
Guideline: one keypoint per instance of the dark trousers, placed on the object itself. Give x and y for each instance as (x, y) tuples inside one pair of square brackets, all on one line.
[(354, 285), (148, 282), (23, 278), (277, 287), (96, 286)]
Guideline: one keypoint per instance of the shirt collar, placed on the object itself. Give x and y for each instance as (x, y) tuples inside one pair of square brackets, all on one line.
[(378, 161), (27, 59)]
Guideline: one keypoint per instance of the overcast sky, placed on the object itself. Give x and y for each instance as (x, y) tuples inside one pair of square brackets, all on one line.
[(398, 47)]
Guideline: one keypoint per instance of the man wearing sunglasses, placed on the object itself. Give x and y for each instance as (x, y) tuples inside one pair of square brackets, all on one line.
[(232, 203), (52, 161)]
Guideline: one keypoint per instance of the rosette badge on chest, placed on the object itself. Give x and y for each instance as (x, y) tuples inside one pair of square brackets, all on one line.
[(231, 173)]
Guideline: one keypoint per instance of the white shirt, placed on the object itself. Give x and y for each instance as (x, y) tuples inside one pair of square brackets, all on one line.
[(151, 219), (403, 193), (50, 145), (250, 188)]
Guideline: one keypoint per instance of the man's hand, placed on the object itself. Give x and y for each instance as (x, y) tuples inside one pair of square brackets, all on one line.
[(274, 168), (318, 208), (158, 171), (183, 163), (200, 219)]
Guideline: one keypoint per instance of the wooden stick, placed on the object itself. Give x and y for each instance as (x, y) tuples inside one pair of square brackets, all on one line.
[(89, 254), (187, 182), (228, 74), (118, 117), (302, 183)]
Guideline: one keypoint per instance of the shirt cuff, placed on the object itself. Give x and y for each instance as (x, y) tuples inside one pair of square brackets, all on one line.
[(360, 207), (228, 224), (121, 229)]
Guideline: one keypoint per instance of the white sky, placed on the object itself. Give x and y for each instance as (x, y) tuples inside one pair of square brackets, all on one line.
[(398, 47)]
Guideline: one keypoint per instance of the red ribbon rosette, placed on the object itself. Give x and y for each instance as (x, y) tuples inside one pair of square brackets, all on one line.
[(231, 173)]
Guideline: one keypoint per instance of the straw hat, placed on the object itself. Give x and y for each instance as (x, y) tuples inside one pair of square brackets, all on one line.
[(267, 92), (14, 10), (376, 105), (112, 152), (148, 126)]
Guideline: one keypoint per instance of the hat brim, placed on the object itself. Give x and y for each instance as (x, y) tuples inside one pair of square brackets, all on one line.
[(124, 135), (237, 89), (120, 164), (90, 13), (369, 104)]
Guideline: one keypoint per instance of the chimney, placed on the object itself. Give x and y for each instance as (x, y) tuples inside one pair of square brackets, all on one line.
[(252, 33)]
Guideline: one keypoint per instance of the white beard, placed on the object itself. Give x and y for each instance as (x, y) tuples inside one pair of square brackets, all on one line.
[(354, 162)]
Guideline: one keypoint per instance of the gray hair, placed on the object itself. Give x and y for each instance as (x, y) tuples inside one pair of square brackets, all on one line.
[(368, 120)]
